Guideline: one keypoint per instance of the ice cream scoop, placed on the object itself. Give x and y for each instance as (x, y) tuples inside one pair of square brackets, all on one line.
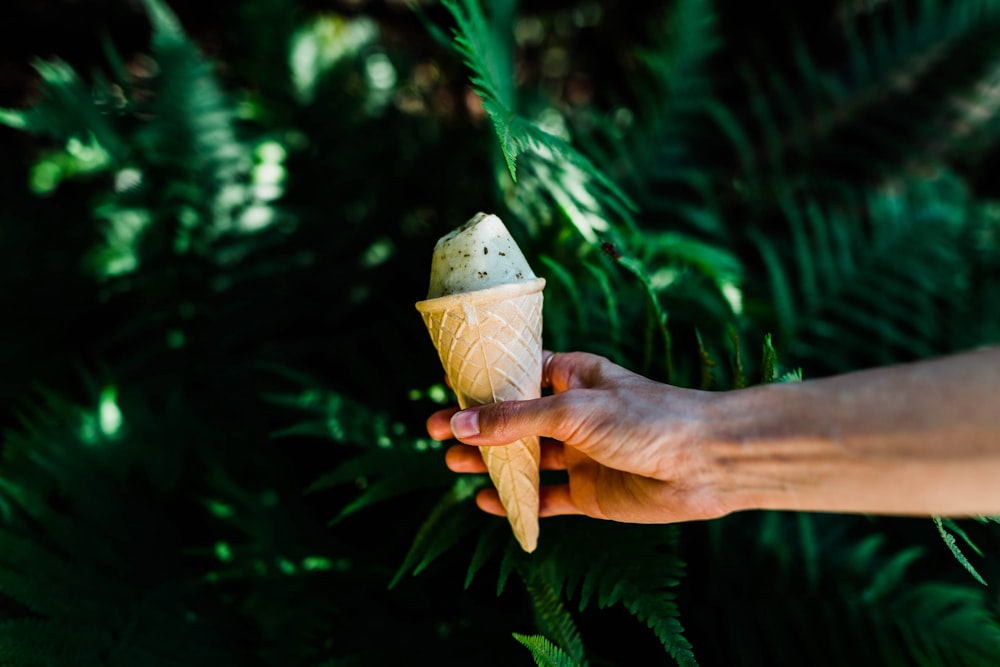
[(476, 255), (484, 315)]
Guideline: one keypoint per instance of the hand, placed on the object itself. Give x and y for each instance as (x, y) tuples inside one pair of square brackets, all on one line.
[(632, 448), (917, 439)]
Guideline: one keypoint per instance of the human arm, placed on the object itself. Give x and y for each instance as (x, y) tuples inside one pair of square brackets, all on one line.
[(920, 438)]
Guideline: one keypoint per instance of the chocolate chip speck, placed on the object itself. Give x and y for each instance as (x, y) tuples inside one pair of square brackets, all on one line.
[(486, 250), (503, 254)]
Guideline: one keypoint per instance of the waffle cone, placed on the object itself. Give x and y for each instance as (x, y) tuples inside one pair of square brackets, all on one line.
[(490, 344)]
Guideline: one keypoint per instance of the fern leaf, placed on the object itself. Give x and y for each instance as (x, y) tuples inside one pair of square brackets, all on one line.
[(945, 624), (486, 47), (818, 120), (68, 597), (610, 309), (952, 545), (628, 566), (553, 618), (739, 375), (509, 562), (769, 365), (686, 40), (488, 56), (67, 109), (707, 364), (490, 541), (780, 285), (791, 376), (890, 577), (677, 91), (569, 284), (656, 318), (341, 418), (544, 652), (909, 256), (383, 475), (193, 127), (449, 521)]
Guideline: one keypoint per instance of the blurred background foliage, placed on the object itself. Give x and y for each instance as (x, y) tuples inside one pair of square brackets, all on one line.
[(216, 218)]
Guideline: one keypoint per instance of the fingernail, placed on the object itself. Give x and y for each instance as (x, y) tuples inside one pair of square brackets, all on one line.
[(465, 423)]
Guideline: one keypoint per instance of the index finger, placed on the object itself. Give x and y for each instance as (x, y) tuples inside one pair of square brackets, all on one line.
[(439, 424), (574, 370)]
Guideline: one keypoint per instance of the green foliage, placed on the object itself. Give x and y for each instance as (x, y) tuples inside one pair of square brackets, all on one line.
[(943, 526), (233, 245), (554, 619), (448, 522), (545, 653), (634, 567), (91, 571), (558, 170), (897, 616)]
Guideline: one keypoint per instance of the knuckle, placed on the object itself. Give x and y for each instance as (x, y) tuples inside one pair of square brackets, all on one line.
[(501, 419), (571, 412)]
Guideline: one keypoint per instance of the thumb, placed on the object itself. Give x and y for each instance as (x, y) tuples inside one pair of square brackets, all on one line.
[(505, 422)]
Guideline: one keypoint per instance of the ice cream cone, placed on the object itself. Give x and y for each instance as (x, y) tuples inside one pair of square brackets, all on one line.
[(490, 344)]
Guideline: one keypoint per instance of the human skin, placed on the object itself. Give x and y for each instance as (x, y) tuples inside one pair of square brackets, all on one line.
[(921, 438)]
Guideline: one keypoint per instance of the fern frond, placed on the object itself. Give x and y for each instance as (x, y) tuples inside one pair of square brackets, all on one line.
[(68, 109), (193, 127), (544, 652), (490, 542), (450, 520), (553, 618), (791, 376), (656, 318), (739, 375), (924, 623), (334, 415), (822, 124), (943, 624), (946, 528), (872, 280), (633, 566), (74, 551), (565, 280), (676, 91), (390, 463), (707, 364), (610, 299), (383, 475), (581, 191), (861, 602), (769, 363), (890, 576), (487, 53)]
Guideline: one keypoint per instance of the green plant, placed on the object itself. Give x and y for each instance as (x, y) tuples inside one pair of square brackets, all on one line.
[(214, 388)]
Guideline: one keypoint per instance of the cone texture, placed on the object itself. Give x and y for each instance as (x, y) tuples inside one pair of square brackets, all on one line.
[(490, 344)]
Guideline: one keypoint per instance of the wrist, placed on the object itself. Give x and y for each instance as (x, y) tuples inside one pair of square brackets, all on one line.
[(766, 450)]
